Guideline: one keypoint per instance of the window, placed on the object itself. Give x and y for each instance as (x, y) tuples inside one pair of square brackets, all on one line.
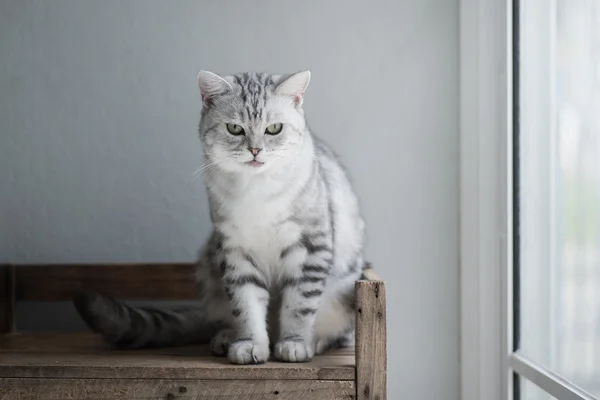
[(557, 197), (530, 199)]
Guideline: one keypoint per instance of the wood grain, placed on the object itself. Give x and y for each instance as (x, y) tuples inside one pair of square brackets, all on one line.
[(371, 353), (133, 389), (152, 281), (7, 298), (84, 356)]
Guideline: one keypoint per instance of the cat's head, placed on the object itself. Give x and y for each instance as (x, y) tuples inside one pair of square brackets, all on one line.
[(251, 122)]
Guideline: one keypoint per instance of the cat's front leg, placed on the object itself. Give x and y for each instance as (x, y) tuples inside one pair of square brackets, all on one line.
[(307, 266), (248, 296)]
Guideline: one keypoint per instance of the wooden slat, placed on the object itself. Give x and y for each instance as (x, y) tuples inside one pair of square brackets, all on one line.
[(7, 298), (174, 281), (155, 389), (371, 353), (82, 355)]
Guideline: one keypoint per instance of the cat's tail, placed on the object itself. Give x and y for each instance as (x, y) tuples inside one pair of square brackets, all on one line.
[(125, 326)]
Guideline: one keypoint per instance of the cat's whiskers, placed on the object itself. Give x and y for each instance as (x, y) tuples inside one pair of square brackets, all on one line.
[(208, 166)]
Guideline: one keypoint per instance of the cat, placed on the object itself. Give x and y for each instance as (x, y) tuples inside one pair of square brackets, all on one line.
[(277, 275)]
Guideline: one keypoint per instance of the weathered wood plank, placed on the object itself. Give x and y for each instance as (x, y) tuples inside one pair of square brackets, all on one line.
[(152, 281), (7, 298), (371, 353), (48, 365), (133, 389), (84, 356)]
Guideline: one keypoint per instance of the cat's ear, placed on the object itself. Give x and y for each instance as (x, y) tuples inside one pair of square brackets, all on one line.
[(295, 86), (212, 85)]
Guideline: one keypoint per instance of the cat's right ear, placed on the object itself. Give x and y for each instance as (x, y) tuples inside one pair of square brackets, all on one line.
[(211, 85)]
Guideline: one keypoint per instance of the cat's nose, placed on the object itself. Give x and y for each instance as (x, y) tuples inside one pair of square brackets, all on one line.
[(254, 150)]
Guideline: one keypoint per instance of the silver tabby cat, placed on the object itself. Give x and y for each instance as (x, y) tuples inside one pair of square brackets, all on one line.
[(277, 274)]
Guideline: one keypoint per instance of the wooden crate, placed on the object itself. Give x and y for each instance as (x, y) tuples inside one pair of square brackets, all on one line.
[(79, 366)]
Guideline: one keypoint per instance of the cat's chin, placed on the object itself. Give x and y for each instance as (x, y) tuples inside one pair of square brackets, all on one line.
[(252, 167), (255, 164)]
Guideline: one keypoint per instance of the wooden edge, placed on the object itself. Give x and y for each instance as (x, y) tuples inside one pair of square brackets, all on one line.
[(149, 281), (369, 274), (173, 389), (7, 298), (371, 340)]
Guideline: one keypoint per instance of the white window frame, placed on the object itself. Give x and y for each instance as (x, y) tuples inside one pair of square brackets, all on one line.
[(486, 75), (485, 168)]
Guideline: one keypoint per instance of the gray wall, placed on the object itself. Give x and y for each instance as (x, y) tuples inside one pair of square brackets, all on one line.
[(98, 116)]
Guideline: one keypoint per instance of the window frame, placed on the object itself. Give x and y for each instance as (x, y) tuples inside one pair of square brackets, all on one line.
[(488, 122)]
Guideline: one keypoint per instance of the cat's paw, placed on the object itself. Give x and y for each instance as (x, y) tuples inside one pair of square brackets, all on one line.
[(248, 352), (293, 351), (220, 343)]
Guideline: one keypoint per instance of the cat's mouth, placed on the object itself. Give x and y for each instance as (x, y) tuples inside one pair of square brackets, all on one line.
[(255, 163)]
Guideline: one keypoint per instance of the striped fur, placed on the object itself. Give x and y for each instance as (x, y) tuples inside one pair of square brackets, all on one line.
[(277, 274)]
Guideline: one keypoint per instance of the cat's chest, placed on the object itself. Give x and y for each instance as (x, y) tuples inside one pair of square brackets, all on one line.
[(264, 240), (263, 230)]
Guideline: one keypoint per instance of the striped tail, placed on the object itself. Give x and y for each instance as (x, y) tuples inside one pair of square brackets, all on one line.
[(124, 326)]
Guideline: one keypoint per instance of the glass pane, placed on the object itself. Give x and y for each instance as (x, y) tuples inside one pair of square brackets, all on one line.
[(559, 187), (530, 391)]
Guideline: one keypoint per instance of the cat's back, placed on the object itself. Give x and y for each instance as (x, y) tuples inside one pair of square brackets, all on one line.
[(334, 174), (348, 224)]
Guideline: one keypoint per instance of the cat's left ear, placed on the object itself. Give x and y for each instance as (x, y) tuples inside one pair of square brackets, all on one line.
[(295, 86)]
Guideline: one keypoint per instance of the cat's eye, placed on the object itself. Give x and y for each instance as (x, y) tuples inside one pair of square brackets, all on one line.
[(274, 129), (235, 129)]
